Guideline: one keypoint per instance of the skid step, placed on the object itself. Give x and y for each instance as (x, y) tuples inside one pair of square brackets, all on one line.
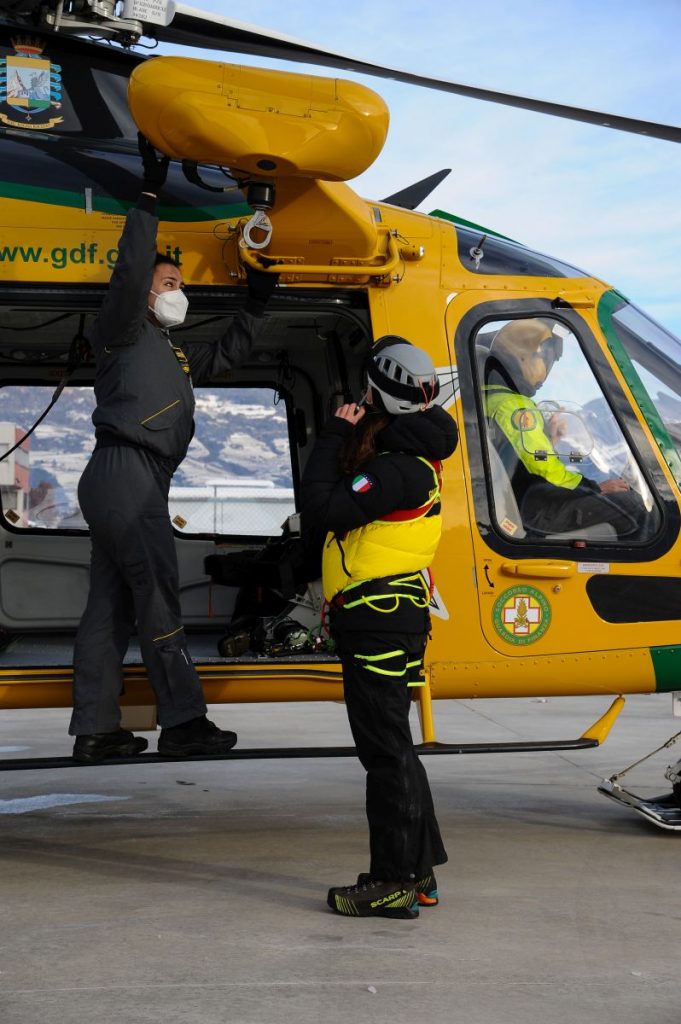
[(662, 811), (264, 753)]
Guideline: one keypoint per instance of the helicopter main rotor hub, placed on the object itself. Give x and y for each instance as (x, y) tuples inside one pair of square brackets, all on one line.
[(89, 16)]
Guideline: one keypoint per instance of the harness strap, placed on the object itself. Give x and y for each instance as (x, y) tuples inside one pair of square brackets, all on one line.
[(409, 588)]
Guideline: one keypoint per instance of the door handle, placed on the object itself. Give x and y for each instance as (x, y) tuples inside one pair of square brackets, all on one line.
[(542, 568)]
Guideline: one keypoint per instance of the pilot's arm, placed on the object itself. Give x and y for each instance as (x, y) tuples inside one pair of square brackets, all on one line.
[(208, 360), (526, 438)]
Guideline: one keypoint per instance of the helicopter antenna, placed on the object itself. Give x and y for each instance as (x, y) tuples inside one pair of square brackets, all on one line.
[(476, 253), (412, 196)]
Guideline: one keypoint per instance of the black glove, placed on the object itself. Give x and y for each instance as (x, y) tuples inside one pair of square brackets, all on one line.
[(155, 167), (260, 284)]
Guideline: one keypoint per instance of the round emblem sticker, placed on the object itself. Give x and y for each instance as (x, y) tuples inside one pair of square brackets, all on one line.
[(521, 615), (362, 482)]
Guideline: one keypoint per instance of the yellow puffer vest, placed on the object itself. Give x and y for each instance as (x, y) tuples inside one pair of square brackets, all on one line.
[(404, 541)]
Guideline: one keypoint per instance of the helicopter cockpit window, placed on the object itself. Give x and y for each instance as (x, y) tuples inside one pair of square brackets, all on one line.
[(560, 467), (655, 356), (235, 480), (487, 254)]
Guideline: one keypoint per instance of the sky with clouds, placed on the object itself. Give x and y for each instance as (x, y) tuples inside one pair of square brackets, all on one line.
[(600, 199)]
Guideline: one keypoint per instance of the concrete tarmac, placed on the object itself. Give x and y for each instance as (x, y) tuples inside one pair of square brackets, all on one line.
[(195, 893)]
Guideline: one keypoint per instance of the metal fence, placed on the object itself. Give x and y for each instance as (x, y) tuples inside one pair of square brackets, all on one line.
[(247, 509)]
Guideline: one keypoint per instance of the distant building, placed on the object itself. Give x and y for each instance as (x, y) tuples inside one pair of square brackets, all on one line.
[(14, 475)]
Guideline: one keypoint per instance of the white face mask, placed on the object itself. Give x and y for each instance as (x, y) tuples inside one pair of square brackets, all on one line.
[(171, 307)]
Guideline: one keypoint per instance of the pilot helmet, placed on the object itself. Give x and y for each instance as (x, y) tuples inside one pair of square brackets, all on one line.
[(401, 376), (527, 349)]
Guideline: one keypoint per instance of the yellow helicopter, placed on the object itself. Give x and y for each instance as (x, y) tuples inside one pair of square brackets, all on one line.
[(530, 597)]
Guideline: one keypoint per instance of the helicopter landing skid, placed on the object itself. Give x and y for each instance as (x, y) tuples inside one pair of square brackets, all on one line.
[(662, 811)]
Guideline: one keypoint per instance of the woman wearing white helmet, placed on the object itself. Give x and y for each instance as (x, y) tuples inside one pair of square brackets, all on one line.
[(372, 485)]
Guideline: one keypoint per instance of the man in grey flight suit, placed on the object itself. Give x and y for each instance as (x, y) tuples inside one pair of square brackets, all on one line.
[(143, 426)]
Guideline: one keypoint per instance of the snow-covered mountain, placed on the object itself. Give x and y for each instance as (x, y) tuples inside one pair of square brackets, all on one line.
[(240, 433)]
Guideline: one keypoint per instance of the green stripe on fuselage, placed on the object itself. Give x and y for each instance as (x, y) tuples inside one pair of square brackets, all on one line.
[(667, 666), (106, 204)]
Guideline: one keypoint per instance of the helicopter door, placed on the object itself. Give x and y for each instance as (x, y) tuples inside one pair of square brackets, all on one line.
[(559, 492)]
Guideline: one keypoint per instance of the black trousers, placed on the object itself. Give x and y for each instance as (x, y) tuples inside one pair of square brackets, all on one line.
[(404, 835), (123, 494), (549, 509)]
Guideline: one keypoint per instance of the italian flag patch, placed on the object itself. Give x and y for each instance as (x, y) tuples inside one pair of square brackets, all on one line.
[(362, 483)]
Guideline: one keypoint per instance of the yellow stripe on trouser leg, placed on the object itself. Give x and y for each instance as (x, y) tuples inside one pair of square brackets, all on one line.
[(418, 664), (368, 662)]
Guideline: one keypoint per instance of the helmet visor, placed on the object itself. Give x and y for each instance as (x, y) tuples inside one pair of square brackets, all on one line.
[(551, 351)]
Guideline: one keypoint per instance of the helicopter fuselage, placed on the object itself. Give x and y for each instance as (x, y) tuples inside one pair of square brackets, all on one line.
[(517, 610)]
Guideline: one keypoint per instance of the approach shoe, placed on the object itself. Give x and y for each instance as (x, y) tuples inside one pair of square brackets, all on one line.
[(426, 888), (374, 899), (198, 736), (102, 746)]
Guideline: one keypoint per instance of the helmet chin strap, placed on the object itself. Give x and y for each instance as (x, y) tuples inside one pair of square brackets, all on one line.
[(427, 402)]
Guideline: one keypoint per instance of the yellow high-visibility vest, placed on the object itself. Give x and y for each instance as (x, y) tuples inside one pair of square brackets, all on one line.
[(402, 542)]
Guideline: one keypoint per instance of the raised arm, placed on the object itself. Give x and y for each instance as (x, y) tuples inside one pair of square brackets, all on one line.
[(125, 305), (210, 360)]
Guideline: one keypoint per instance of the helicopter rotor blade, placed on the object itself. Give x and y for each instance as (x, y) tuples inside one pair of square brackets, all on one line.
[(192, 27), (413, 195)]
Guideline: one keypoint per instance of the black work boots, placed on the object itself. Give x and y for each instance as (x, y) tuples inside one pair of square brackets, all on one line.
[(100, 746), (198, 736)]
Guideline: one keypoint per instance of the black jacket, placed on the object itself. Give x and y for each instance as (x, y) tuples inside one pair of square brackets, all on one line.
[(144, 397), (397, 479)]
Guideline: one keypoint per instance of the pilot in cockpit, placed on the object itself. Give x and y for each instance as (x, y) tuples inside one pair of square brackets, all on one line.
[(552, 494)]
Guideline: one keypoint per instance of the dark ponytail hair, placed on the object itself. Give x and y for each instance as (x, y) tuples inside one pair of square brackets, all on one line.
[(361, 444)]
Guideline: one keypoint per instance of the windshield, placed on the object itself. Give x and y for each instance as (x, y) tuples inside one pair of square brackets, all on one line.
[(651, 363), (560, 465)]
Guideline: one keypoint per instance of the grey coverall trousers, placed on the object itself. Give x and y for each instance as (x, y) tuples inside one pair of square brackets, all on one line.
[(143, 424), (123, 494)]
